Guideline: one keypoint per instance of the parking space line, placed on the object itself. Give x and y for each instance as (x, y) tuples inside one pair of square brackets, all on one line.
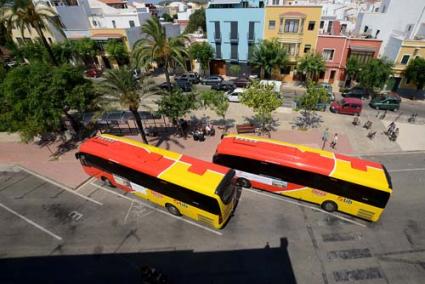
[(407, 170), (283, 198), (60, 185), (31, 222), (159, 210), (128, 212), (79, 187)]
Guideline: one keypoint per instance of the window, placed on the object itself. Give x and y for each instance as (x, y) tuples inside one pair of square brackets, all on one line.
[(285, 70), (307, 48), (132, 25), (291, 48), (218, 50), (234, 52), (114, 24), (50, 40), (275, 2), (272, 25), (20, 40), (328, 54), (405, 59), (291, 26), (94, 23), (365, 29), (322, 24), (311, 25)]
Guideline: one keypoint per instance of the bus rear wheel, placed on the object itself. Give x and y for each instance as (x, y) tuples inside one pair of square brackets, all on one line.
[(106, 181), (173, 209), (243, 182), (329, 206)]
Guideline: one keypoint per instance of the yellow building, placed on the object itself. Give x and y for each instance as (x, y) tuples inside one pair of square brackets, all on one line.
[(30, 35), (297, 28), (409, 50)]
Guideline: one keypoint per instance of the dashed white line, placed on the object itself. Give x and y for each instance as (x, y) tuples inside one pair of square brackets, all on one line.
[(269, 195), (31, 222), (407, 170), (159, 210), (60, 185)]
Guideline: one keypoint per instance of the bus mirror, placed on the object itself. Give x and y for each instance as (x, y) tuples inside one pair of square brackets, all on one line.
[(77, 156)]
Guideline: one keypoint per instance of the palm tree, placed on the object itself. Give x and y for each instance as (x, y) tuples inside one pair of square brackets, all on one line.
[(268, 55), (25, 14), (157, 47), (117, 50), (312, 64), (120, 86)]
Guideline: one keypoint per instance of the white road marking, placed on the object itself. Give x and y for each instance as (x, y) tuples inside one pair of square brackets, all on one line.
[(128, 212), (60, 185), (84, 184), (160, 210), (283, 198), (407, 170), (31, 222)]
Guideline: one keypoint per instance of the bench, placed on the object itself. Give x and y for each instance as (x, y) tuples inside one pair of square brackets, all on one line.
[(245, 128)]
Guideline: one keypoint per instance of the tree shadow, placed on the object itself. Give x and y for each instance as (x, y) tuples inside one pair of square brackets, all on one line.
[(269, 128), (254, 265), (306, 120)]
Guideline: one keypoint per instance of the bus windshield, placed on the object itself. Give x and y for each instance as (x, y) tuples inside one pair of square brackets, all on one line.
[(226, 189)]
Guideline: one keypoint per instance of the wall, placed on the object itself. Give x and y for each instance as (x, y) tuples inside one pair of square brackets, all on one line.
[(339, 45), (73, 17), (243, 16)]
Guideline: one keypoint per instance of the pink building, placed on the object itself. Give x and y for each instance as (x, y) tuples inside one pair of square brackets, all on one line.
[(337, 49)]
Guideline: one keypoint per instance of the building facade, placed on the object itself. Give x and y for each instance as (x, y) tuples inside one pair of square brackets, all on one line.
[(296, 28), (233, 29)]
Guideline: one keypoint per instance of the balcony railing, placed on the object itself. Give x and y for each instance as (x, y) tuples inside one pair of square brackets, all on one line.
[(234, 38), (217, 37), (251, 37)]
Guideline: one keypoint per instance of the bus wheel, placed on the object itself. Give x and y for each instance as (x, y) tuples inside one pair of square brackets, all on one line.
[(329, 206), (244, 182), (173, 210), (107, 182)]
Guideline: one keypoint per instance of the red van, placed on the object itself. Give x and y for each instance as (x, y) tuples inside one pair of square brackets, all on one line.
[(347, 106)]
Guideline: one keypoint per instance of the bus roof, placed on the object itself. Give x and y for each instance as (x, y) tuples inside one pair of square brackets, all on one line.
[(192, 173), (351, 169)]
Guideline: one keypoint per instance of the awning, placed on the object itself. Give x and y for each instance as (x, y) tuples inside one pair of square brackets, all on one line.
[(362, 48), (225, 1), (106, 36)]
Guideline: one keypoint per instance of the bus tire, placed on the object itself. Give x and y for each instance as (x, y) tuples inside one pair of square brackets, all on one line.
[(243, 182), (173, 209), (106, 181), (329, 206)]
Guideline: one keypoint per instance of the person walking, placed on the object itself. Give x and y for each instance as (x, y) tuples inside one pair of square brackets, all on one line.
[(325, 137), (334, 141)]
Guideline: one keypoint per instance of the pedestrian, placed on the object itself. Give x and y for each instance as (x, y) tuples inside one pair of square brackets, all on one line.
[(334, 141), (325, 137)]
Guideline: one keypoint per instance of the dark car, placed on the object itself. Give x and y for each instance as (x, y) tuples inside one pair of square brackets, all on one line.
[(212, 80), (356, 92), (224, 86), (242, 82), (386, 102), (167, 86), (184, 85), (191, 77)]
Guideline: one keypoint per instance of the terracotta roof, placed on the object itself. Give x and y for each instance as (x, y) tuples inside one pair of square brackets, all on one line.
[(293, 14)]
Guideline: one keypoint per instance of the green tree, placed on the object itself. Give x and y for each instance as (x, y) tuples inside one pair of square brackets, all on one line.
[(35, 98), (157, 47), (196, 20), (63, 51), (235, 69), (314, 97), (120, 86), (2, 73), (352, 69), (203, 52), (268, 55), (375, 74), (263, 101), (85, 50), (312, 64), (25, 14), (167, 17), (176, 105), (217, 101), (30, 51), (415, 72), (118, 51)]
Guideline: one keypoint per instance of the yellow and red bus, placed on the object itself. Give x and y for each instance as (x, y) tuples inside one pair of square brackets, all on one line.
[(336, 182), (200, 190)]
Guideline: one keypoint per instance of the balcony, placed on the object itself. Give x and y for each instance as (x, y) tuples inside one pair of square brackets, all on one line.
[(234, 38), (217, 37), (251, 37)]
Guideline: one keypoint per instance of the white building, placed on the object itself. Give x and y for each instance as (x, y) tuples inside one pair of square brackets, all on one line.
[(394, 19)]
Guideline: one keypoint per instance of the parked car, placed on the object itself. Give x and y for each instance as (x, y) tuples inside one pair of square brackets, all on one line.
[(191, 77), (356, 92), (212, 80), (224, 86), (347, 106), (93, 73), (386, 102), (234, 96), (242, 82), (184, 85), (328, 88), (166, 86)]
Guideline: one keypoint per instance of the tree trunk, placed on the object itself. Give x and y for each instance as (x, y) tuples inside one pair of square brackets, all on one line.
[(167, 75), (46, 44), (262, 71), (139, 124), (74, 124)]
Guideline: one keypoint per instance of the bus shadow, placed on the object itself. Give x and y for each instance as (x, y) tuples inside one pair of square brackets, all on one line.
[(263, 265)]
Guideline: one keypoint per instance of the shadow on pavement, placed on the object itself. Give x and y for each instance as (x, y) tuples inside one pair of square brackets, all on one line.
[(265, 265)]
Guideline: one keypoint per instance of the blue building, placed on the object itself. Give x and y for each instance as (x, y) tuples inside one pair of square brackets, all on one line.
[(233, 29)]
